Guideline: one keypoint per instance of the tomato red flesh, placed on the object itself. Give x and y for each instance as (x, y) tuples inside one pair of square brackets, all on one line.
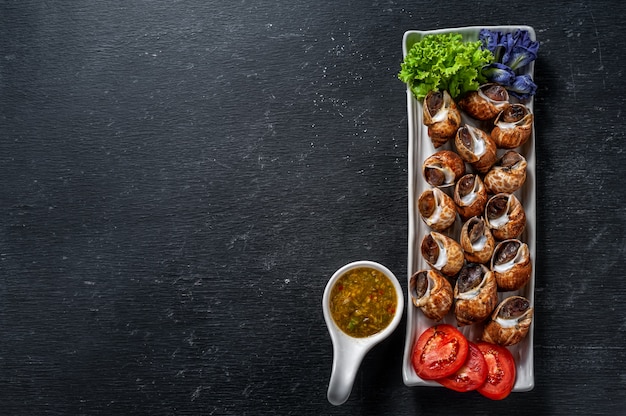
[(440, 351), (501, 371), (471, 375)]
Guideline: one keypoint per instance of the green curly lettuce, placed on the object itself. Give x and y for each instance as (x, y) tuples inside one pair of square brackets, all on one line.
[(444, 62)]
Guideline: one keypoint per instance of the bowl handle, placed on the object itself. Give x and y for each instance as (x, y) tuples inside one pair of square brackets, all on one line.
[(346, 362)]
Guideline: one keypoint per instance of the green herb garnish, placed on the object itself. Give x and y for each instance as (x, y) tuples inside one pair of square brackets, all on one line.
[(444, 62)]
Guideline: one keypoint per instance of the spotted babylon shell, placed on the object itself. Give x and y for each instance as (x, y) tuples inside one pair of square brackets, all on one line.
[(508, 174), (512, 127), (505, 216), (470, 196), (437, 209), (485, 103), (442, 253), (509, 322), (477, 241), (431, 292), (443, 168), (475, 294), (475, 147), (511, 265), (441, 116)]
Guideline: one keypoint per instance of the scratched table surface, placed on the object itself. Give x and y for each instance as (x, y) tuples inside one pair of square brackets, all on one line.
[(180, 179)]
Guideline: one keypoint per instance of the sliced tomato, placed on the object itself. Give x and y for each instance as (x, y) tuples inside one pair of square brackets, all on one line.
[(439, 352), (501, 373), (471, 375)]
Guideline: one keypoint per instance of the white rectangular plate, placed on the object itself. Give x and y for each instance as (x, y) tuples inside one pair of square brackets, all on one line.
[(421, 147)]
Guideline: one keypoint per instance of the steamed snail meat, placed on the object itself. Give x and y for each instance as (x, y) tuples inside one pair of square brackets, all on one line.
[(511, 265), (505, 215), (475, 147), (508, 174), (470, 196), (443, 168), (441, 116), (485, 103), (442, 253), (431, 292), (437, 209), (510, 322), (477, 241), (475, 294), (512, 127)]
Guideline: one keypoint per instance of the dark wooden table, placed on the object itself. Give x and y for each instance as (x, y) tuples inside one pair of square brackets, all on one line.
[(181, 178)]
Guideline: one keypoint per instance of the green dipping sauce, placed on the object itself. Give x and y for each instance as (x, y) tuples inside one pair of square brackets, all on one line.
[(363, 302)]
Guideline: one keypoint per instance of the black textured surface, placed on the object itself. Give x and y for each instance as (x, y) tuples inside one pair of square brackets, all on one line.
[(180, 179)]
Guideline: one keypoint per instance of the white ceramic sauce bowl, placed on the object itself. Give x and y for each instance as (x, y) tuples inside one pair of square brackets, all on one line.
[(348, 352)]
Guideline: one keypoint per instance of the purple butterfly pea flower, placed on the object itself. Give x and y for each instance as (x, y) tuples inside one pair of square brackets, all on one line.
[(522, 87), (489, 39), (512, 52), (512, 49), (521, 50), (519, 57), (500, 73)]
